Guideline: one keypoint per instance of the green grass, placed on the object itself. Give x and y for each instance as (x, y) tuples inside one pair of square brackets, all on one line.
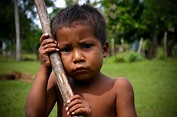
[(154, 83), (9, 65), (12, 98)]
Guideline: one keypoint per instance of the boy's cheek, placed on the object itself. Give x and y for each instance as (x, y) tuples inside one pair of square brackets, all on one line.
[(66, 64)]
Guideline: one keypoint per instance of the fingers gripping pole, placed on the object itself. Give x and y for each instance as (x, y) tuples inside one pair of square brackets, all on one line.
[(57, 66)]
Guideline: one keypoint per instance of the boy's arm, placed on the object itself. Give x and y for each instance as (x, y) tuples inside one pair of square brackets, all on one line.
[(125, 98), (42, 95)]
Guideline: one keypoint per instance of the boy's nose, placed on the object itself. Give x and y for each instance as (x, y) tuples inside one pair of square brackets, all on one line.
[(77, 56)]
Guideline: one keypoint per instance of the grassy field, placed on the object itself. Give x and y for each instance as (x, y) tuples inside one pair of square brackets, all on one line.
[(154, 83)]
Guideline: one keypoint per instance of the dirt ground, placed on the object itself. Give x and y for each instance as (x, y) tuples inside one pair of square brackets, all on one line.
[(16, 75)]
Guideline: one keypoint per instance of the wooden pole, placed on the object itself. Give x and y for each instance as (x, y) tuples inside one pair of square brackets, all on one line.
[(55, 59)]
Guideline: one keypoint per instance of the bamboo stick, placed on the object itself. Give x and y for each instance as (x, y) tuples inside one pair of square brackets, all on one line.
[(55, 59)]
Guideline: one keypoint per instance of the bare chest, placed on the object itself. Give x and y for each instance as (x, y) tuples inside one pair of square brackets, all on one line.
[(102, 105), (102, 98)]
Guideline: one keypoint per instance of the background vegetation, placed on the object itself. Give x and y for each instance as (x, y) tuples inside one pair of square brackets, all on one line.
[(128, 22)]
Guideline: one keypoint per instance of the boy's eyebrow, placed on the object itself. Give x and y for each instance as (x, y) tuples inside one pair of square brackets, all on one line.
[(87, 39), (63, 43)]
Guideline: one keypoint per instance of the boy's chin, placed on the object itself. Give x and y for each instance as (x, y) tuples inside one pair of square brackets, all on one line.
[(81, 79)]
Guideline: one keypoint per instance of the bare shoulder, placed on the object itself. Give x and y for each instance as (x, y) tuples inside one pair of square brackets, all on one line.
[(51, 85), (52, 79), (122, 84), (124, 98)]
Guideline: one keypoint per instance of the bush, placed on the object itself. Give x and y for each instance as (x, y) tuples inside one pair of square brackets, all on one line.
[(134, 57), (125, 57), (160, 54), (120, 59)]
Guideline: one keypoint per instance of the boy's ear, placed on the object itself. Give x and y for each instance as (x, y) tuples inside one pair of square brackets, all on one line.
[(105, 49)]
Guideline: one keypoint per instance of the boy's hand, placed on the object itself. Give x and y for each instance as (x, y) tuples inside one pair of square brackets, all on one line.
[(78, 106), (47, 46)]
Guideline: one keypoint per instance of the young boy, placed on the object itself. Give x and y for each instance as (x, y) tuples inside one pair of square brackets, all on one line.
[(79, 34)]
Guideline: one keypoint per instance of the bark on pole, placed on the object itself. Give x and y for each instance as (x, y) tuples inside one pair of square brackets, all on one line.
[(57, 66)]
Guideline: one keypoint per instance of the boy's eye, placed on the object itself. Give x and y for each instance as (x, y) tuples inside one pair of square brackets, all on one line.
[(86, 46), (65, 49)]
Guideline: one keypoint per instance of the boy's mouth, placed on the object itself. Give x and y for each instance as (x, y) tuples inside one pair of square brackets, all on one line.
[(80, 69)]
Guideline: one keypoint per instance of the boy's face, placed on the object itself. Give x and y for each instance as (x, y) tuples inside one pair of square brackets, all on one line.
[(81, 52)]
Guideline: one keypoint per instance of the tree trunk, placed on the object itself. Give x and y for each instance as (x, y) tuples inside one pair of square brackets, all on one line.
[(140, 45), (152, 49), (165, 44), (17, 29), (112, 47)]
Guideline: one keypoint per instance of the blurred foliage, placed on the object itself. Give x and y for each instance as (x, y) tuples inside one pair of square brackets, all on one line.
[(126, 57), (28, 29), (147, 19), (123, 19), (129, 20)]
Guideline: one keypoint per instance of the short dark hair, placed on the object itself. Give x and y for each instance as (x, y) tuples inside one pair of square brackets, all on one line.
[(80, 15)]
